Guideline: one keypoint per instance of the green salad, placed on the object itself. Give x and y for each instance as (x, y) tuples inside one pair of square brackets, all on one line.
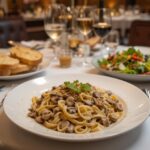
[(130, 61)]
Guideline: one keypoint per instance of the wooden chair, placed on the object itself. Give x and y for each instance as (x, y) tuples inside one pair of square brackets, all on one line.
[(12, 29), (140, 33)]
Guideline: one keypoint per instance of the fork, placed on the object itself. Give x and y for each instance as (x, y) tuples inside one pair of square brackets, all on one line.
[(3, 98), (147, 92), (2, 101), (1, 87)]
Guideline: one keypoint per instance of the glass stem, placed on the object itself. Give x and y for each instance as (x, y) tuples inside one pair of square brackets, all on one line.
[(85, 55)]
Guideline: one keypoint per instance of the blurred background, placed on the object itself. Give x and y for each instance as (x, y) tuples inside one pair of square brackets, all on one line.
[(123, 12)]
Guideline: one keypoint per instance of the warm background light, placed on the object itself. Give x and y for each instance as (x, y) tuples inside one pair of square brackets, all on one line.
[(20, 4)]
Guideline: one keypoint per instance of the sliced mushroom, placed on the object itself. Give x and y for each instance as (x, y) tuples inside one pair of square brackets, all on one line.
[(56, 109), (114, 116), (32, 114), (119, 107), (98, 102), (109, 110), (64, 124), (105, 121), (110, 101), (39, 119), (109, 93), (55, 99), (46, 111), (71, 110), (89, 102), (70, 129), (46, 117), (46, 114), (70, 101), (96, 94)]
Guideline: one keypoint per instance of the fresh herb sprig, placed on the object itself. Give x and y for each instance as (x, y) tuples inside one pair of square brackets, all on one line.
[(78, 87)]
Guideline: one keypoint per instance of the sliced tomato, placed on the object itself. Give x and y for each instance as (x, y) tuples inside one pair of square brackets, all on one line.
[(136, 57)]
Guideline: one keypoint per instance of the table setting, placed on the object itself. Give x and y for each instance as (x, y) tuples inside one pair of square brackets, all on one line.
[(58, 95), (12, 135)]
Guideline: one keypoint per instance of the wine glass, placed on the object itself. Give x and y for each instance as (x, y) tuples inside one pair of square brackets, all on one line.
[(102, 23), (84, 22), (54, 24)]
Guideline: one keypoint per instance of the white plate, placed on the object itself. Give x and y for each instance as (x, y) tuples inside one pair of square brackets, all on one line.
[(23, 75), (128, 77), (18, 102)]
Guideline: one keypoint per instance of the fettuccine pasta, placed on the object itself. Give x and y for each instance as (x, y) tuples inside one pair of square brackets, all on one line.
[(75, 107)]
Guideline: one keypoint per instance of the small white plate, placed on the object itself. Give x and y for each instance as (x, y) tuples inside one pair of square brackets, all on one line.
[(24, 75), (41, 68), (18, 101), (128, 77)]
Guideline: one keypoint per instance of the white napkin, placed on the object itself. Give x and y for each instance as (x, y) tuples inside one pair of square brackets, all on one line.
[(35, 44)]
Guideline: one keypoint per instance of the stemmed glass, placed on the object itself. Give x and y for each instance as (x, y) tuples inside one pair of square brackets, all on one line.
[(54, 24), (102, 23), (84, 24)]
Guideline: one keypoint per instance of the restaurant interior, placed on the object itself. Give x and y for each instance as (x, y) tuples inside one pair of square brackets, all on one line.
[(32, 13), (74, 74)]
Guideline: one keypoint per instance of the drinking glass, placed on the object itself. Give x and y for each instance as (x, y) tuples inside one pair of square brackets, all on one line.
[(65, 58), (102, 23), (112, 41), (54, 24), (84, 22)]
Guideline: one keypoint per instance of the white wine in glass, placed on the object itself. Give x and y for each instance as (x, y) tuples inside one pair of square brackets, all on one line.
[(54, 31), (54, 25), (85, 25)]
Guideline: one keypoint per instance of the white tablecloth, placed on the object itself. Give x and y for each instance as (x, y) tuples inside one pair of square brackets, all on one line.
[(124, 22), (13, 137)]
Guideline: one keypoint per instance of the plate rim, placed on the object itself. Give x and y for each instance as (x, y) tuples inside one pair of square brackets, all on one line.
[(74, 140), (23, 75)]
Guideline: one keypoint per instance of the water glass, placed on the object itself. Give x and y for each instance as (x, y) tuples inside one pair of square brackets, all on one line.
[(112, 41)]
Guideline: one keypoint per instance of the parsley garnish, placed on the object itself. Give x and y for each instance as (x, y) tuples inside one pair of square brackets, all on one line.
[(78, 87)]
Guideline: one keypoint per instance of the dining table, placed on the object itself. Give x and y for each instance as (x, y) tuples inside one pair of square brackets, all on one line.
[(12, 137)]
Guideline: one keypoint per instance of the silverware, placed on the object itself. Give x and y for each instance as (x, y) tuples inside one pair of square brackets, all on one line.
[(7, 91), (2, 101), (1, 87), (147, 92)]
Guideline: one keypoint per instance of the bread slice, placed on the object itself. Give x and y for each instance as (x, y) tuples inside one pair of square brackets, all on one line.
[(21, 68), (5, 72), (2, 54), (93, 41), (7, 62), (26, 55)]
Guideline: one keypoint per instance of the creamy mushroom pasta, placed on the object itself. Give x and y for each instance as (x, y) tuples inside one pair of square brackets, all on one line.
[(75, 107)]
